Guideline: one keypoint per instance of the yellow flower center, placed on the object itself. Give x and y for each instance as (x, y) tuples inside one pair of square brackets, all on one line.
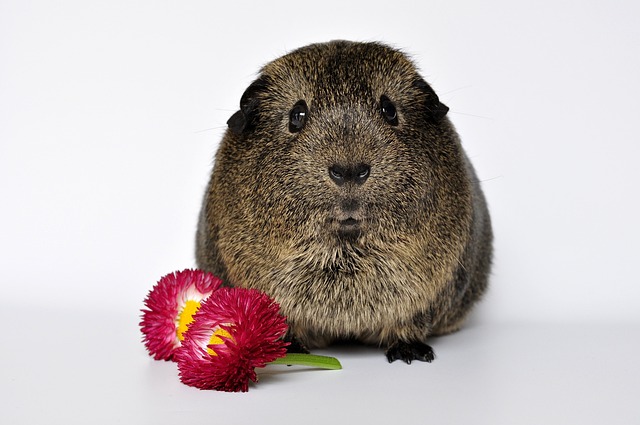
[(216, 340), (186, 317)]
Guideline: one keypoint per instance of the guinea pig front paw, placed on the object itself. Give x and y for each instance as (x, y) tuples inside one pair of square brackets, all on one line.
[(410, 351), (295, 346)]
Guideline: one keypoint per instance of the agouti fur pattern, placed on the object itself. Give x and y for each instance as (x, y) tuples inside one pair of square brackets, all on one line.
[(341, 189)]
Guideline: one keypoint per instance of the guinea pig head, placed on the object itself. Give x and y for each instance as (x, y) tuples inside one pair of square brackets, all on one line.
[(339, 142)]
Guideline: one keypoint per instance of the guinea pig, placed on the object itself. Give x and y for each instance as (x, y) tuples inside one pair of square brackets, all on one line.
[(341, 189)]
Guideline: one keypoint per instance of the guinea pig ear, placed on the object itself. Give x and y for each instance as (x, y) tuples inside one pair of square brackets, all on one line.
[(246, 118), (435, 109), (237, 122)]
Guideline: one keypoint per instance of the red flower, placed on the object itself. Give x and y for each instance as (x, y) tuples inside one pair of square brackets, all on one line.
[(170, 308), (235, 331)]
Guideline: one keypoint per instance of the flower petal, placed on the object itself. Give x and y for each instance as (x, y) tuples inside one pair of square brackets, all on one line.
[(164, 305), (255, 330)]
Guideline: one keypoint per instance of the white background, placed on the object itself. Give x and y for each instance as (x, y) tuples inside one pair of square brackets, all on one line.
[(111, 112)]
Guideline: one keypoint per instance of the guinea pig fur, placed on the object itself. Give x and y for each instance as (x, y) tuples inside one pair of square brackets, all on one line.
[(341, 189)]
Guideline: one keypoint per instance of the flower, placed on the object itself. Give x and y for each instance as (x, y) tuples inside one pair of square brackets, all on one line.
[(170, 308), (218, 336), (235, 331)]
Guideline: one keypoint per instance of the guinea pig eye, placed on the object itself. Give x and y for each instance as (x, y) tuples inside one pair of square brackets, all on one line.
[(388, 110), (298, 116)]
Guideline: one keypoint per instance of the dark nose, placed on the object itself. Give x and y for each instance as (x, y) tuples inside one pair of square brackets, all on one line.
[(357, 174)]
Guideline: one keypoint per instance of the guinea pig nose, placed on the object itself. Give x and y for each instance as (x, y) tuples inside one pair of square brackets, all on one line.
[(357, 174), (338, 174), (361, 173)]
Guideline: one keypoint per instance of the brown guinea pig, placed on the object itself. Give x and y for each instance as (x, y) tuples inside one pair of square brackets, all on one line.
[(341, 189)]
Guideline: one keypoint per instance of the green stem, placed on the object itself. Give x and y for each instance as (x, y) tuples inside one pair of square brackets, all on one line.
[(312, 360)]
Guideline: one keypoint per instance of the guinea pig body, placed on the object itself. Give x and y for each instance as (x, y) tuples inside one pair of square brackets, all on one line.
[(341, 189)]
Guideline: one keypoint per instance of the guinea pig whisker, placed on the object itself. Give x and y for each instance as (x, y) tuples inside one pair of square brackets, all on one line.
[(210, 129), (472, 115)]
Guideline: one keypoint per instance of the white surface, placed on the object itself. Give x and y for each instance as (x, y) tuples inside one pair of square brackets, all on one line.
[(79, 369), (111, 111)]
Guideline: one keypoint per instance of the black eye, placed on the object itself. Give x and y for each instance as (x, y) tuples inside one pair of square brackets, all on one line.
[(298, 116), (388, 110)]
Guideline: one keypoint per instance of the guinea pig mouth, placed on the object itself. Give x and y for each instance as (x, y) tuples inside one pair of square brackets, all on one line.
[(349, 228), (349, 222)]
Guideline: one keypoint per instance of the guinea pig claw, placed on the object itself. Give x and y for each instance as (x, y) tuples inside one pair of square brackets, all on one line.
[(409, 351)]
